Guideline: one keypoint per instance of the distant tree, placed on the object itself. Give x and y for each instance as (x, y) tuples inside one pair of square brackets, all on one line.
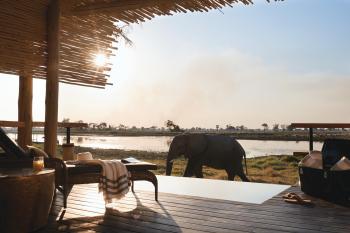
[(153, 128), (241, 127), (122, 127), (102, 125), (92, 125), (172, 126), (265, 126), (217, 127), (230, 127), (289, 128), (275, 127), (283, 127), (65, 120)]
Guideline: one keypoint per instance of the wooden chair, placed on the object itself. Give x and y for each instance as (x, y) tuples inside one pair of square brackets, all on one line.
[(66, 175)]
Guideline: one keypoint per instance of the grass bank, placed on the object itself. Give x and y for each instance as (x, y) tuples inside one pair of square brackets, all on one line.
[(281, 169)]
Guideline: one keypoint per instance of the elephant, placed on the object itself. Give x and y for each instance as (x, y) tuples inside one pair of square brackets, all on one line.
[(216, 151)]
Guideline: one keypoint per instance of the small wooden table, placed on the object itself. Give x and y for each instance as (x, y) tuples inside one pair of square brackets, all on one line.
[(141, 171), (25, 199)]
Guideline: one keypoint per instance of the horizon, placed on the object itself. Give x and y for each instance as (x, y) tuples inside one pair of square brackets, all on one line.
[(271, 63)]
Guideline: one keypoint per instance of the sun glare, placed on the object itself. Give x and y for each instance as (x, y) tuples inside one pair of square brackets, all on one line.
[(100, 59)]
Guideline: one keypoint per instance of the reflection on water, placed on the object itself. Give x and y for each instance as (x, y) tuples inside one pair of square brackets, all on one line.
[(161, 144), (255, 148)]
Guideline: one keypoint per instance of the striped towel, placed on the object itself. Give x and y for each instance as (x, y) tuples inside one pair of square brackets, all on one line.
[(114, 180)]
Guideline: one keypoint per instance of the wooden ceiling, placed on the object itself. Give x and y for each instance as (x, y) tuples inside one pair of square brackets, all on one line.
[(88, 28)]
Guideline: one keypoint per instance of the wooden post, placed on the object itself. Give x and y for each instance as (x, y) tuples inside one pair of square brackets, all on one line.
[(52, 85), (311, 139), (25, 98)]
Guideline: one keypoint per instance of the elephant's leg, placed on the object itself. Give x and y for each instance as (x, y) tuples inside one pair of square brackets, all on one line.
[(189, 168), (198, 171), (241, 174), (230, 173)]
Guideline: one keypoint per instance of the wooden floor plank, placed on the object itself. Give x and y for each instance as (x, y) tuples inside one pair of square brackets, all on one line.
[(177, 213), (222, 219), (158, 222), (256, 213), (317, 225), (223, 203)]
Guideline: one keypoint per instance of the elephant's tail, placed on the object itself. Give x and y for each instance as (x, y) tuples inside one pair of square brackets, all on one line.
[(245, 161)]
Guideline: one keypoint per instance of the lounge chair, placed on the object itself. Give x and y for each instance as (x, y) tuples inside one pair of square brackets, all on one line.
[(66, 175)]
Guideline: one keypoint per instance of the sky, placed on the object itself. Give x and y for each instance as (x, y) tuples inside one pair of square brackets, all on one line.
[(281, 62)]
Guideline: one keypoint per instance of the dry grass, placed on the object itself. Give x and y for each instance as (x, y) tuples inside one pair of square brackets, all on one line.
[(268, 169), (274, 169)]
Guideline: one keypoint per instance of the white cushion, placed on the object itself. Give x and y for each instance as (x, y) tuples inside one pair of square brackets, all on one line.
[(341, 165), (84, 156), (312, 160)]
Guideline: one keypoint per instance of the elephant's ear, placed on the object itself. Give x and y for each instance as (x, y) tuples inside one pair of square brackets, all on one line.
[(197, 144)]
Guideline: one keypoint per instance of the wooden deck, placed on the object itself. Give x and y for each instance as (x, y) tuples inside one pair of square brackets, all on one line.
[(175, 213)]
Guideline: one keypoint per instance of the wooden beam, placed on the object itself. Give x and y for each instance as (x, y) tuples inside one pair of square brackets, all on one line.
[(11, 124), (42, 124), (320, 125), (25, 99), (52, 85)]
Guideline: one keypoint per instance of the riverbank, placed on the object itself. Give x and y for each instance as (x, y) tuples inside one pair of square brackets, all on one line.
[(248, 134), (277, 169), (269, 135)]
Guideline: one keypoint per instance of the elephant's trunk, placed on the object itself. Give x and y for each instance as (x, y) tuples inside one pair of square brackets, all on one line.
[(169, 167)]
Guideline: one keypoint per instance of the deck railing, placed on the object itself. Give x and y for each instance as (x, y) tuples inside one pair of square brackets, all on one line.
[(67, 125)]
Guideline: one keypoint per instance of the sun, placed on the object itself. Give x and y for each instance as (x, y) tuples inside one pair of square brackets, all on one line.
[(100, 59)]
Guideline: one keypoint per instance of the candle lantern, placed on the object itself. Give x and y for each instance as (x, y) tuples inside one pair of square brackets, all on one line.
[(38, 163)]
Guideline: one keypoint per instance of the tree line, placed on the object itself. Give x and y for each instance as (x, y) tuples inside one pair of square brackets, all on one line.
[(171, 126)]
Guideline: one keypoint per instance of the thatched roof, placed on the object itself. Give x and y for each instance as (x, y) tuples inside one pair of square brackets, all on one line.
[(133, 11), (88, 28)]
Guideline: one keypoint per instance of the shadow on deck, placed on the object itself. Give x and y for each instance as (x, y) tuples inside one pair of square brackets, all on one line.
[(178, 213)]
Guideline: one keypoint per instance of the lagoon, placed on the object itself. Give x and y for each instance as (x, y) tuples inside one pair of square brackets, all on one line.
[(253, 148)]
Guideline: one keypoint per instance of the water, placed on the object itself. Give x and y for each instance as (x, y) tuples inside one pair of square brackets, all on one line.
[(253, 148)]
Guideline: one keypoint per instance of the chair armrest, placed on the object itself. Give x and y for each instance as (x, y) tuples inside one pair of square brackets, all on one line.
[(60, 169)]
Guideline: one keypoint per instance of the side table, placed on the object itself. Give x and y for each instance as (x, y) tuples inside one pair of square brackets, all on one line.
[(25, 199)]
